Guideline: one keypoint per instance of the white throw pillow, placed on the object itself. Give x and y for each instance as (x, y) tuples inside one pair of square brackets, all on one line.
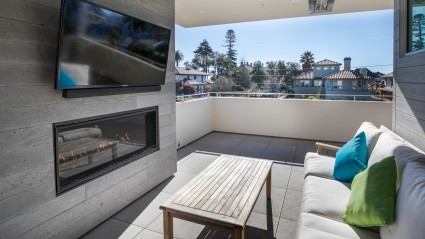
[(372, 135), (384, 148), (410, 209)]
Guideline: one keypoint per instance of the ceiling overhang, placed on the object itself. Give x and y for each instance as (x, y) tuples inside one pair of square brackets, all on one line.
[(195, 13)]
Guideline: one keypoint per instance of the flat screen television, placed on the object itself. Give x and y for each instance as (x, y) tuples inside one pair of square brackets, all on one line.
[(102, 48)]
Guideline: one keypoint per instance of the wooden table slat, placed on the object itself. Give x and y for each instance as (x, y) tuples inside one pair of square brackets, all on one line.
[(196, 183), (228, 189), (223, 194), (247, 194), (225, 181), (245, 187), (236, 194), (246, 211), (231, 196), (213, 183)]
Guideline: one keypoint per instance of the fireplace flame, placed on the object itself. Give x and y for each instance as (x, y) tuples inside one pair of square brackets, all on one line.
[(125, 138), (61, 157), (102, 146)]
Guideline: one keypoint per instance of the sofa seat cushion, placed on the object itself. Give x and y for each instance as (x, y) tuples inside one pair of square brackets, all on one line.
[(410, 209), (319, 165), (311, 226), (325, 197)]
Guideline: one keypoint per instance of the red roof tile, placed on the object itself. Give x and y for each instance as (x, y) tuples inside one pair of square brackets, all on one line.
[(326, 62), (347, 75), (305, 76)]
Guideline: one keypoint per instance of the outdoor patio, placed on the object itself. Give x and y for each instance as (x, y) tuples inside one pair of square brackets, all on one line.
[(274, 219)]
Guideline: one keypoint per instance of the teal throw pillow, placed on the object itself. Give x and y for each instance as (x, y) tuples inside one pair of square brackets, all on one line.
[(351, 159), (373, 196)]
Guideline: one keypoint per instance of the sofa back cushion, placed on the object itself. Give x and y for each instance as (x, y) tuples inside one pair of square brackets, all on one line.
[(410, 209), (372, 135), (390, 145)]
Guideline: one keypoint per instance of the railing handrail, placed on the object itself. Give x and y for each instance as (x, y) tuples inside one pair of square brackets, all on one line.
[(279, 95)]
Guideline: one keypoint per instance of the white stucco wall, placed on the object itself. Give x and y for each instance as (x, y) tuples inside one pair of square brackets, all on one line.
[(304, 119), (194, 119)]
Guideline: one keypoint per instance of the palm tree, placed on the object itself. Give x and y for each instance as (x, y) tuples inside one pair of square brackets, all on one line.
[(307, 60), (179, 57)]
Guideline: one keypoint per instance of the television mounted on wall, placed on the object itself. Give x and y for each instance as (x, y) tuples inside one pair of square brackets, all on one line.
[(102, 48)]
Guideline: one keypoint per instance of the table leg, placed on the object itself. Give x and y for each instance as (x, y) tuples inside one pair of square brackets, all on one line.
[(239, 233), (269, 185), (168, 225)]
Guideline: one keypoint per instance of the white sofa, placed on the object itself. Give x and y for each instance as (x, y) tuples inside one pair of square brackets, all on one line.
[(324, 199)]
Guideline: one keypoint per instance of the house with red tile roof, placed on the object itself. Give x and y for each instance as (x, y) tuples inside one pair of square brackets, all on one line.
[(327, 78)]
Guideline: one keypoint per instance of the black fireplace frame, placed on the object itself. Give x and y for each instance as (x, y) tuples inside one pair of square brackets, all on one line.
[(136, 155)]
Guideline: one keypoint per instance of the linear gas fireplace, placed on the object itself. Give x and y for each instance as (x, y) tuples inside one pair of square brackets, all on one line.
[(88, 148)]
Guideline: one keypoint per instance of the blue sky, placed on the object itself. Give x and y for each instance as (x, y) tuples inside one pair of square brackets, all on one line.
[(366, 37)]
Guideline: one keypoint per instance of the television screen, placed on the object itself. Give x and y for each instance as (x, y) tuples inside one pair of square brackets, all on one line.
[(99, 48)]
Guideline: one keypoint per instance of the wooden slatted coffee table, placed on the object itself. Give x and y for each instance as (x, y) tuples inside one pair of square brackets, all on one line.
[(222, 195)]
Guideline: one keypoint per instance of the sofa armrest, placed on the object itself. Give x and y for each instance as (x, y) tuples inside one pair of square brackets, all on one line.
[(321, 146)]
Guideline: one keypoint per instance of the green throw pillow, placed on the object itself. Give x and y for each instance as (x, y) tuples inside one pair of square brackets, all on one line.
[(373, 195)]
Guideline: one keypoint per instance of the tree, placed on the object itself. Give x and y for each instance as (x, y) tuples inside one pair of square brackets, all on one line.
[(219, 63), (222, 84), (418, 25), (231, 52), (179, 57), (242, 77), (292, 69), (202, 54), (258, 75), (307, 60)]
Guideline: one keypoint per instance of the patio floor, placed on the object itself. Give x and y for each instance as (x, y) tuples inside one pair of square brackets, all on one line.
[(277, 219)]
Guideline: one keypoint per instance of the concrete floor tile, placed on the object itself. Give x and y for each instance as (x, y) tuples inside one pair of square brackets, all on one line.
[(296, 180), (291, 205), (226, 146), (185, 151), (148, 234), (144, 210), (176, 182), (250, 149), (280, 175), (286, 229), (195, 162), (303, 147), (261, 226), (299, 168), (113, 229), (182, 229), (270, 207), (280, 149)]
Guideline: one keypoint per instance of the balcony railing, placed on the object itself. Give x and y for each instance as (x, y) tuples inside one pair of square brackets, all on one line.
[(339, 97)]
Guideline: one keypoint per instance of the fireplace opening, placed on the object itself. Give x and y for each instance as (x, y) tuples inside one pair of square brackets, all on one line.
[(88, 148)]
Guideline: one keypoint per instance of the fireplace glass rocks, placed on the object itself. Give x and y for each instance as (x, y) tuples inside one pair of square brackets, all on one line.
[(88, 148)]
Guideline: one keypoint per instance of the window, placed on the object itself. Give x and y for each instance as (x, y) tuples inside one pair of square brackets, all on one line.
[(333, 68), (357, 85), (318, 68), (337, 84), (305, 83), (317, 83), (325, 68), (416, 25), (194, 77)]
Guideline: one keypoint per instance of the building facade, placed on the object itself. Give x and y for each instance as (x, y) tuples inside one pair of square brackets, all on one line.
[(325, 77)]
